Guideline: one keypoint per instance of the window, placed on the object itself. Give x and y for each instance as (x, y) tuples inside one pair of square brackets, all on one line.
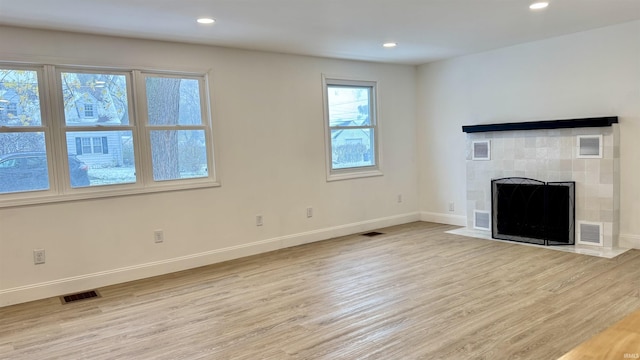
[(175, 127), (22, 134), (92, 145), (97, 144), (88, 110), (85, 146), (351, 129), (90, 135), (112, 147)]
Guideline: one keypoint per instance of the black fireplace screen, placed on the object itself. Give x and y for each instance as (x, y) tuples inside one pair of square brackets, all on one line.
[(533, 211)]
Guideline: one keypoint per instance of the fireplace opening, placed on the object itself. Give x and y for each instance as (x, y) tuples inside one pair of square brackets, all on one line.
[(532, 211)]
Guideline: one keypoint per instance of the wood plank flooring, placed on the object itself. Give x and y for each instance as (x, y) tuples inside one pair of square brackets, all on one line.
[(415, 292), (621, 341)]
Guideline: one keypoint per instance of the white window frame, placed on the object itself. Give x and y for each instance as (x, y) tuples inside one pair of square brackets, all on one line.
[(205, 125), (55, 131), (36, 196), (360, 171), (61, 128)]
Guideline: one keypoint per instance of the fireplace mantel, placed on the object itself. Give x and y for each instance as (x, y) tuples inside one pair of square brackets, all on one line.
[(544, 125)]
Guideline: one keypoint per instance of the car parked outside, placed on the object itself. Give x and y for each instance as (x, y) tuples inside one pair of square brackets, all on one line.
[(28, 171)]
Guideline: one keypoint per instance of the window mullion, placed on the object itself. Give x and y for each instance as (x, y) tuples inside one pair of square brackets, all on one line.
[(15, 129), (176, 127), (53, 118), (206, 117), (352, 127), (98, 128), (144, 166)]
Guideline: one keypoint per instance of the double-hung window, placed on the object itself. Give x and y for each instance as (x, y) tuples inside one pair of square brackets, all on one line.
[(176, 126), (85, 137), (71, 133), (351, 128), (23, 133)]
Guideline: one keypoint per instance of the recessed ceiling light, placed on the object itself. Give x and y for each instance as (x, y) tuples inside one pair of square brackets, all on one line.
[(205, 21), (538, 5), (390, 45)]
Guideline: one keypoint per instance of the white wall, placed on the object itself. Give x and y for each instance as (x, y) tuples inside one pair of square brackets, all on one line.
[(594, 73), (268, 123)]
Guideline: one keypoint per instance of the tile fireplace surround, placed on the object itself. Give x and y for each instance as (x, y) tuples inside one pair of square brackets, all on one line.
[(548, 151)]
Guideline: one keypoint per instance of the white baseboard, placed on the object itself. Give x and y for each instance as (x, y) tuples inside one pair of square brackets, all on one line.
[(629, 241), (348, 229), (440, 218), (130, 273)]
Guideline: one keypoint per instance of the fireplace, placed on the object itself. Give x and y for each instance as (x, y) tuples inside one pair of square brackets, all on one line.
[(585, 152), (533, 211)]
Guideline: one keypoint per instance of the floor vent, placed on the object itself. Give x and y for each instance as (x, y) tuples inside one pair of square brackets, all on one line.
[(79, 296), (372, 234)]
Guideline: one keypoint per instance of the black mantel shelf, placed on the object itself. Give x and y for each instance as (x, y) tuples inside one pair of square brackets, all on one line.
[(543, 125)]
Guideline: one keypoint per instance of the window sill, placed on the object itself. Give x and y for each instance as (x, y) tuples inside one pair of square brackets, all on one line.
[(105, 191), (353, 174)]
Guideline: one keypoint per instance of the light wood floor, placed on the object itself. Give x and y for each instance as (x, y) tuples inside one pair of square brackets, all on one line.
[(413, 293), (621, 341)]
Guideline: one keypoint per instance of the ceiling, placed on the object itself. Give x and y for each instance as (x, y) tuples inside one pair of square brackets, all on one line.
[(425, 30)]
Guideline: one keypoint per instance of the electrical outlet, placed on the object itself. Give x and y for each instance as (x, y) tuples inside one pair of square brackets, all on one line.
[(158, 236), (259, 220), (399, 198), (38, 256), (309, 212), (451, 206)]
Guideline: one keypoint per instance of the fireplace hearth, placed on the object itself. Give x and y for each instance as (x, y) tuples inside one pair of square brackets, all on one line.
[(532, 211)]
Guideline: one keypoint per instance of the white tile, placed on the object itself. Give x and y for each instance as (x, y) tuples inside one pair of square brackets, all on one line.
[(608, 253)]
